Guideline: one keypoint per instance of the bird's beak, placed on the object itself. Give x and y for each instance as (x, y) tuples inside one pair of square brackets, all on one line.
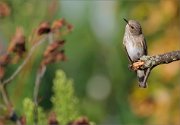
[(126, 20)]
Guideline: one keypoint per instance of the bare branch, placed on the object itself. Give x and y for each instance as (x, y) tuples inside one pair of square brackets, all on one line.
[(24, 62), (153, 61)]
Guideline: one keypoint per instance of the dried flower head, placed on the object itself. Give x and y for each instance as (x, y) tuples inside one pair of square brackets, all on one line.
[(60, 56), (53, 54), (53, 47), (43, 28), (52, 119), (81, 121), (4, 60), (2, 72), (23, 120), (4, 9), (54, 57), (58, 24), (17, 44), (70, 27)]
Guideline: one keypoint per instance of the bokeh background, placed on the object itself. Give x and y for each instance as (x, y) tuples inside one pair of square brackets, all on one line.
[(108, 91)]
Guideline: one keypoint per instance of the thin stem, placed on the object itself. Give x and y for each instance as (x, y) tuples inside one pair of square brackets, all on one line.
[(5, 96), (39, 76), (24, 62), (12, 114), (50, 38)]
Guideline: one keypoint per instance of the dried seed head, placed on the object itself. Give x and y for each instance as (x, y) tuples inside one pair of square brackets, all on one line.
[(23, 120), (81, 121), (4, 9), (4, 59), (60, 56), (2, 72), (70, 27), (44, 28), (52, 119), (17, 44), (54, 46), (53, 57), (58, 24), (53, 54)]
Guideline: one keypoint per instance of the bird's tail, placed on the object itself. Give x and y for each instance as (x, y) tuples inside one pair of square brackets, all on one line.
[(141, 74)]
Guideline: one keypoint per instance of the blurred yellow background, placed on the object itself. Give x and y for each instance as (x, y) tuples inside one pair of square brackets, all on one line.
[(107, 89)]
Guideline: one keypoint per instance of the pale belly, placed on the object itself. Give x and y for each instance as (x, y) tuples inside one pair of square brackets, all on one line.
[(134, 51)]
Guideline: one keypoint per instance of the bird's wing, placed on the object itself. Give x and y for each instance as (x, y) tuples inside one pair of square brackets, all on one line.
[(145, 46), (126, 51)]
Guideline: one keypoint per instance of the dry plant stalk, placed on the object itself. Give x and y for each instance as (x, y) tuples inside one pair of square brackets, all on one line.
[(53, 53)]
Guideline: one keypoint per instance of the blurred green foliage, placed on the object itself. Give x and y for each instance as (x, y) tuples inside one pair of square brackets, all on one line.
[(65, 103), (95, 49), (28, 110)]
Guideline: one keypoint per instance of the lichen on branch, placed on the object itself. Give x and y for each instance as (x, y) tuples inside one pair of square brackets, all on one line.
[(153, 61)]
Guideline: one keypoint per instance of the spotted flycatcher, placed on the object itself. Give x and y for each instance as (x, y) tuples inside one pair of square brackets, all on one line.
[(135, 46)]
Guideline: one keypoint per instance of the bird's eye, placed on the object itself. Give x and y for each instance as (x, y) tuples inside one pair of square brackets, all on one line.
[(132, 27)]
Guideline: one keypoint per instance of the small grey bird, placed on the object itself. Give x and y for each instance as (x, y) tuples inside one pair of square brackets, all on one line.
[(135, 46)]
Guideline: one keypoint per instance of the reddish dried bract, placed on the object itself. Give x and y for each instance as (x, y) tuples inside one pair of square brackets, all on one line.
[(53, 57), (23, 120), (2, 72), (54, 46), (53, 54), (81, 121), (58, 24), (60, 56), (4, 9), (52, 120), (70, 27), (17, 44), (44, 28), (4, 59), (2, 121)]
